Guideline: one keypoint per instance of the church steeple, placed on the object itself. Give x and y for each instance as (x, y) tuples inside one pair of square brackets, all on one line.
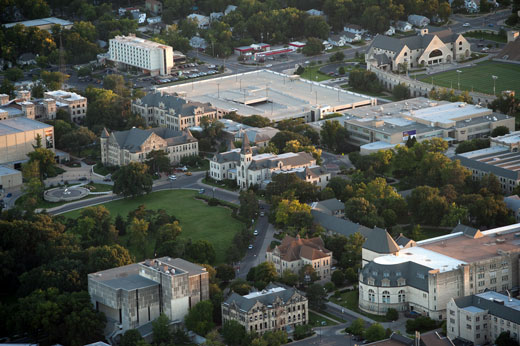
[(246, 147)]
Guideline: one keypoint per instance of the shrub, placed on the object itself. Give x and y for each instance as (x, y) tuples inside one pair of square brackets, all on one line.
[(421, 324), (392, 314), (302, 331), (213, 202)]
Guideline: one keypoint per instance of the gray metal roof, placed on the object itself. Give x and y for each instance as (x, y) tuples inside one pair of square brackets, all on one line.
[(298, 159), (130, 283), (381, 242), (331, 204), (338, 225), (132, 139), (246, 304), (494, 308), (20, 124), (467, 230), (412, 42), (472, 163), (179, 105), (512, 202), (416, 275)]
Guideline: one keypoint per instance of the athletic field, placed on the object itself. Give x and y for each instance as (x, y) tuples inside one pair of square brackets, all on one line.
[(479, 78)]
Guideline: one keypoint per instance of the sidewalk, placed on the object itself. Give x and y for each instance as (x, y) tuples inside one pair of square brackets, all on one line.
[(326, 317), (349, 312)]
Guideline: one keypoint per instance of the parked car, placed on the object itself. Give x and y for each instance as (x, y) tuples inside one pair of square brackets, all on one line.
[(188, 174), (466, 25), (262, 213), (107, 179), (172, 177), (269, 65), (201, 191), (255, 232), (83, 179), (250, 247)]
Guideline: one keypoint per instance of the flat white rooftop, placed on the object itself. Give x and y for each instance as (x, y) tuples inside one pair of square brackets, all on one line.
[(423, 257), (473, 309), (513, 137), (65, 95), (270, 94), (264, 292), (485, 151), (138, 42), (512, 303), (447, 113)]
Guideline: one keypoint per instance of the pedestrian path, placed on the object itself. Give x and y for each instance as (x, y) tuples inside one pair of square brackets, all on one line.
[(349, 312), (327, 317)]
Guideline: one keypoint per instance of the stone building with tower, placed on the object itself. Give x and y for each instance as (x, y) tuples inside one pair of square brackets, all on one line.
[(248, 168)]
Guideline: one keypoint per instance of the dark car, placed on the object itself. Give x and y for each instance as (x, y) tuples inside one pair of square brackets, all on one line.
[(83, 179)]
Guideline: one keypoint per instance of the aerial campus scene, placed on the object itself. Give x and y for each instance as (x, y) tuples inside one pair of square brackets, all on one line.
[(260, 172)]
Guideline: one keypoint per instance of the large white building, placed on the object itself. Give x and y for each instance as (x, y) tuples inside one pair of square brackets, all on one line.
[(74, 104), (482, 317), (249, 168), (424, 276), (149, 56)]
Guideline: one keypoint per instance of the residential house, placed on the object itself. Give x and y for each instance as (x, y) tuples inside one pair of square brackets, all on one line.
[(403, 26), (215, 16), (354, 29), (119, 148), (133, 296), (274, 308), (418, 21), (425, 49), (26, 59), (259, 136), (390, 31), (229, 9), (199, 43), (314, 12), (294, 254), (202, 21), (172, 111), (332, 207)]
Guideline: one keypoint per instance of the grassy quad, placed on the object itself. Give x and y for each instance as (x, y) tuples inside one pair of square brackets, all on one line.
[(197, 219), (479, 78), (350, 300)]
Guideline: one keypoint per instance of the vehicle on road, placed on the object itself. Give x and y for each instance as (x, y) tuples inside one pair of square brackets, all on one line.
[(255, 232), (201, 191), (83, 179), (250, 247), (172, 177), (262, 213), (269, 65), (466, 25), (490, 25), (107, 179), (188, 174)]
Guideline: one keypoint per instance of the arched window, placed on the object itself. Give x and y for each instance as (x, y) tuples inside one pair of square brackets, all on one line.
[(402, 296), (386, 297), (435, 53), (371, 296)]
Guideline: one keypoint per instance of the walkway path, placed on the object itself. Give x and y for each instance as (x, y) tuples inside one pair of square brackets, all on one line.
[(344, 310), (325, 316)]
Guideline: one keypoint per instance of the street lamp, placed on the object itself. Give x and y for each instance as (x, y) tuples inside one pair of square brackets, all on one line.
[(458, 79), (494, 84), (213, 192)]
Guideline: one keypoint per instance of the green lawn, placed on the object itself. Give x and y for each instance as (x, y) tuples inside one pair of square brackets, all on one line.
[(315, 320), (313, 73), (350, 300), (487, 35), (197, 219), (479, 77)]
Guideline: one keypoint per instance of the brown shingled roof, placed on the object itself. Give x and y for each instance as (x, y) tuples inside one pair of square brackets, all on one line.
[(293, 249)]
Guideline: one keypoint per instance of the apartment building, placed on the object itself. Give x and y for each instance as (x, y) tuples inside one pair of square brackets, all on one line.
[(172, 111), (481, 318), (119, 148), (274, 308), (423, 276), (23, 106), (74, 104), (383, 127), (136, 294), (249, 168), (295, 253), (151, 57)]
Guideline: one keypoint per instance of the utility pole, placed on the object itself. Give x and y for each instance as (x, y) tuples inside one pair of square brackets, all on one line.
[(494, 84)]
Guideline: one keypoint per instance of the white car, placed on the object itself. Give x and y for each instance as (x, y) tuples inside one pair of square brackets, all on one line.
[(269, 65), (466, 25), (262, 213), (255, 232), (250, 247), (172, 177)]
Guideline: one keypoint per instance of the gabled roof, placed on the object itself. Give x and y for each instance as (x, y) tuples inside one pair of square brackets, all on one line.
[(293, 249), (511, 51), (338, 225), (271, 294), (178, 104), (133, 139), (402, 241), (104, 133), (512, 202), (412, 42), (508, 310), (467, 231), (416, 275), (246, 146), (331, 204), (380, 241)]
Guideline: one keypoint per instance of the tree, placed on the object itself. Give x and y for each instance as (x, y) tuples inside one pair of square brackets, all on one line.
[(421, 324), (158, 161), (7, 88), (256, 121), (292, 213), (289, 278), (361, 210), (233, 333), (316, 295), (357, 327), (106, 257), (392, 314), (248, 205), (200, 318), (95, 226), (316, 26), (240, 286), (401, 92), (262, 274), (201, 251), (375, 332), (13, 74), (132, 180), (505, 339), (116, 83), (53, 80), (444, 11), (44, 158), (161, 330), (338, 278), (499, 131), (137, 232), (225, 272), (78, 139), (131, 337), (352, 251), (314, 46)]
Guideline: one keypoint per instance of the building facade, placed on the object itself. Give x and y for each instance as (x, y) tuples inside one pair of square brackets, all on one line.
[(172, 111), (151, 57), (119, 148), (275, 308), (295, 253), (480, 318), (74, 104), (22, 105), (136, 294), (249, 168), (424, 276), (425, 49)]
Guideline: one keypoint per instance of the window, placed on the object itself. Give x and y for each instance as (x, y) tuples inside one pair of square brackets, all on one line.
[(371, 296), (468, 326), (386, 297)]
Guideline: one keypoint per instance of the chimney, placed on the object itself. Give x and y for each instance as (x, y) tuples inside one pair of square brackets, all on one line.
[(424, 31), (4, 99)]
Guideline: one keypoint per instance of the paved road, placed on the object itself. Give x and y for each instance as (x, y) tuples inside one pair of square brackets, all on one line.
[(328, 336)]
